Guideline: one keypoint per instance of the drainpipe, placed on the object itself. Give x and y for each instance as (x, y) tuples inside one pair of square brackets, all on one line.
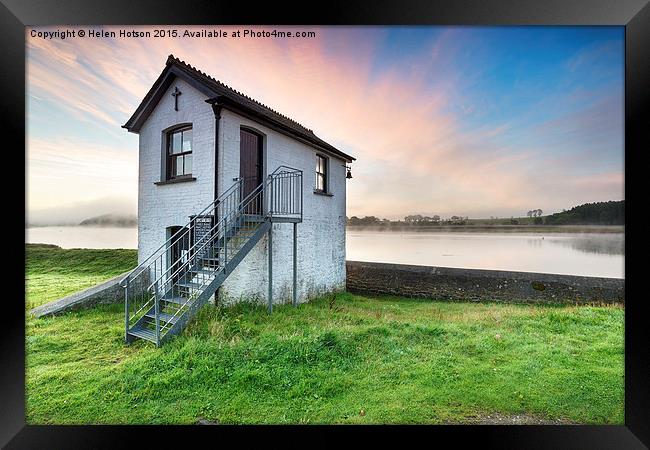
[(216, 108), (217, 118)]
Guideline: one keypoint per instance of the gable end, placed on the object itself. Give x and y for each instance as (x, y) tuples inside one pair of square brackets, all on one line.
[(220, 95)]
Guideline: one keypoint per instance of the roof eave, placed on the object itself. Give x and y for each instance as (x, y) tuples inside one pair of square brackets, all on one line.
[(129, 125), (224, 101), (171, 71), (175, 68)]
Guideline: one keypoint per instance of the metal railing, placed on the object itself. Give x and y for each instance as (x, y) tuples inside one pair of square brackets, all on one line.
[(286, 193), (184, 266), (139, 292)]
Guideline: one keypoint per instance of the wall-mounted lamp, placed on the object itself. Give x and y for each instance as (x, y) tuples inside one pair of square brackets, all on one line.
[(349, 174)]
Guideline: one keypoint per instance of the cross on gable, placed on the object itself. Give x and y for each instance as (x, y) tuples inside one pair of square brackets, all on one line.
[(175, 94)]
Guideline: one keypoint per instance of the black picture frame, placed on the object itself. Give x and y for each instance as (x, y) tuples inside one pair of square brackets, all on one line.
[(634, 15)]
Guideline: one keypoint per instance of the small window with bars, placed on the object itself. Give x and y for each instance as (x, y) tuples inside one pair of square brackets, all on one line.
[(321, 173), (179, 153)]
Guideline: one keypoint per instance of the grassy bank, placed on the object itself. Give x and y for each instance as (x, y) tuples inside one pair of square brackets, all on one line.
[(52, 272), (398, 360), (343, 359)]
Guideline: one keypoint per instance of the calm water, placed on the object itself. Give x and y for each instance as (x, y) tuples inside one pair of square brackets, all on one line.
[(84, 237), (590, 254)]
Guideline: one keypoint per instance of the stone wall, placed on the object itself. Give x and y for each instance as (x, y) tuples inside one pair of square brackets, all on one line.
[(443, 283)]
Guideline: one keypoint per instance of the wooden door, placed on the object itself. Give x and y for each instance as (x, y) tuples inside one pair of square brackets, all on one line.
[(250, 166)]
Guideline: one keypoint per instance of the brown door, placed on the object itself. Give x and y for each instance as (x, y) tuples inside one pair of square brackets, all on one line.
[(250, 166)]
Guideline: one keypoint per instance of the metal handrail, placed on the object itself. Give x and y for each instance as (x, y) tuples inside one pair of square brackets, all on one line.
[(214, 203), (182, 231), (204, 281), (210, 234), (262, 187), (277, 195)]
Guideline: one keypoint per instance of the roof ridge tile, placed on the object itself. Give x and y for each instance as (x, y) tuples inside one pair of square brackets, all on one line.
[(222, 89), (172, 58)]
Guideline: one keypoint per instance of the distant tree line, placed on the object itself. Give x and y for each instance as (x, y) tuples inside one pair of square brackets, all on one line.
[(365, 221), (412, 220), (418, 219), (600, 213)]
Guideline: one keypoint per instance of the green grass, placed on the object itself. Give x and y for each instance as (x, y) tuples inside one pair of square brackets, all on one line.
[(52, 272), (399, 360)]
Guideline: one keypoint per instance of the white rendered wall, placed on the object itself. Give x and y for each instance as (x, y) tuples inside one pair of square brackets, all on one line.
[(321, 235), (169, 205)]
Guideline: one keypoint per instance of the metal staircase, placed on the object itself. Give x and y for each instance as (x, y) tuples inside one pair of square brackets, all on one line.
[(168, 288)]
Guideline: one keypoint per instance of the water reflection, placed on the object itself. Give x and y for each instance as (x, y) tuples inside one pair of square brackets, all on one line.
[(587, 254), (599, 243)]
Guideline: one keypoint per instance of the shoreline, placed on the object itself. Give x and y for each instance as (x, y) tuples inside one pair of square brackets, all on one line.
[(495, 228), (431, 228)]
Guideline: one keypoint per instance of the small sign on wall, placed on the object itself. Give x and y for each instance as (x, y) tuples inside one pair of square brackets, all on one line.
[(202, 230)]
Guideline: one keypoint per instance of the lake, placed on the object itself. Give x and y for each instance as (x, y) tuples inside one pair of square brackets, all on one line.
[(84, 237), (588, 254)]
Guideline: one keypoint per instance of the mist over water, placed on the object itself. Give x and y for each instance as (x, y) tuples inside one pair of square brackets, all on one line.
[(587, 254), (84, 237), (74, 213)]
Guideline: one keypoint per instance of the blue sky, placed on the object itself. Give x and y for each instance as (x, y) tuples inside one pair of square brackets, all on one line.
[(472, 121)]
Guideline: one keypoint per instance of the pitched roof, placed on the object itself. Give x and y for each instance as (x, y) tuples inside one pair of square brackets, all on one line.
[(223, 95)]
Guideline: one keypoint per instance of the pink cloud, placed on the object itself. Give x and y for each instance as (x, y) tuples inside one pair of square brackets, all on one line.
[(413, 153)]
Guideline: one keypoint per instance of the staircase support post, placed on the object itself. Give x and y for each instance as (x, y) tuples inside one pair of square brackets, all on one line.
[(270, 299), (126, 311), (157, 313), (225, 250), (295, 264)]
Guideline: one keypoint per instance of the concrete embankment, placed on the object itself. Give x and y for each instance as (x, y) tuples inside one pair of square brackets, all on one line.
[(107, 292)]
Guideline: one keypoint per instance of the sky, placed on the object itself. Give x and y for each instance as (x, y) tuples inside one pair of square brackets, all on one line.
[(470, 121)]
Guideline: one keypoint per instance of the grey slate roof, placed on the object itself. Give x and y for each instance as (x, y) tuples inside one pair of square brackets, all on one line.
[(222, 94)]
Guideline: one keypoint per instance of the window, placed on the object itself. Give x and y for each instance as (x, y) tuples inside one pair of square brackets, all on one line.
[(321, 173), (179, 153)]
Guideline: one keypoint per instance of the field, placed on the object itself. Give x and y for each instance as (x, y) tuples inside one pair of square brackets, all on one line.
[(53, 272), (338, 359)]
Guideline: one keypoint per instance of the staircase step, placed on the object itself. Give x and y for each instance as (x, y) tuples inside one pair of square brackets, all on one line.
[(164, 317), (143, 333), (174, 299), (206, 272), (190, 285), (253, 218), (197, 279), (209, 258)]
